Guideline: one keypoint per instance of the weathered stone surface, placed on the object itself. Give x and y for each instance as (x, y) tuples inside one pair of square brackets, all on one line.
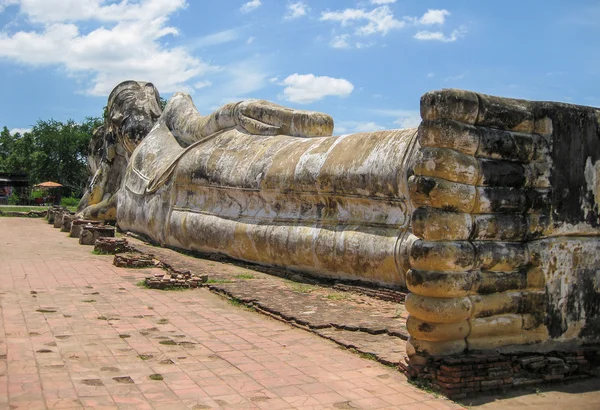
[(78, 224), (67, 219), (304, 201), (132, 110), (111, 245), (58, 218), (89, 233), (134, 260), (491, 206), (168, 280)]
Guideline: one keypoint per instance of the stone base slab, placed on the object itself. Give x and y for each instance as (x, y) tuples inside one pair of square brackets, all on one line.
[(112, 246), (459, 376)]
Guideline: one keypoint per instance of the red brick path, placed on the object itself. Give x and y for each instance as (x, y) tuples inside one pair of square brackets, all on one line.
[(75, 332)]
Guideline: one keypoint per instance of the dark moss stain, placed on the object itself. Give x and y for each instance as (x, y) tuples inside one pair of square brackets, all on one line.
[(503, 173), (506, 199), (504, 281), (426, 328), (590, 299), (582, 303), (501, 113), (425, 185), (575, 138)]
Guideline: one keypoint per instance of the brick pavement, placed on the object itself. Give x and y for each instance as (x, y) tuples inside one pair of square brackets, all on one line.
[(76, 332)]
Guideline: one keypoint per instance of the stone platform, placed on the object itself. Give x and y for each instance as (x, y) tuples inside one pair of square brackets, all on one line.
[(77, 333)]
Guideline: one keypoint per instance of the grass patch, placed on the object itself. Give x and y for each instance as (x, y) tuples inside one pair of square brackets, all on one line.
[(368, 356), (143, 284), (301, 287), (235, 302), (124, 336), (163, 321), (97, 252), (155, 376), (337, 296), (218, 280), (245, 276), (88, 301), (145, 356), (46, 310), (238, 303), (176, 288), (425, 386), (168, 342)]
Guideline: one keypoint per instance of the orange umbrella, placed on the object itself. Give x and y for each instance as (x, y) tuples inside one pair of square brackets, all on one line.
[(48, 184)]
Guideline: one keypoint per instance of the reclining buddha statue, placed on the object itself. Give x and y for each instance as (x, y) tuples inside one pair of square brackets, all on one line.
[(487, 212)]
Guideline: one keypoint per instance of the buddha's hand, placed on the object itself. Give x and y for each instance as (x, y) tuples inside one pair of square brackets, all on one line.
[(266, 118)]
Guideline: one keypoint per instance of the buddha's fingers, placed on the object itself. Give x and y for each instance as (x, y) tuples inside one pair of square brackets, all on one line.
[(257, 127), (288, 121)]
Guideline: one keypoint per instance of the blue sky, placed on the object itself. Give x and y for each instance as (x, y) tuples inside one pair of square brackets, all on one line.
[(365, 62)]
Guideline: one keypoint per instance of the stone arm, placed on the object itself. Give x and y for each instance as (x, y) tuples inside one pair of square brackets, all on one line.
[(257, 117)]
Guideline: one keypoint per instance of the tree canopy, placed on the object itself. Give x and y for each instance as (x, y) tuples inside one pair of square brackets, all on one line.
[(51, 151)]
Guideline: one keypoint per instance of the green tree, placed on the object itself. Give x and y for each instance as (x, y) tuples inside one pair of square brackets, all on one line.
[(6, 147), (53, 150)]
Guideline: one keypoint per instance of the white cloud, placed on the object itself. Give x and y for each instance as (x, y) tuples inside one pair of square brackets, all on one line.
[(250, 40), (250, 6), (408, 120), (368, 127), (19, 130), (307, 88), (379, 20), (127, 46), (236, 82), (5, 3), (430, 75), (340, 41), (214, 39), (403, 118), (455, 77), (202, 84), (349, 127), (52, 11), (296, 10), (383, 1), (439, 36), (434, 17)]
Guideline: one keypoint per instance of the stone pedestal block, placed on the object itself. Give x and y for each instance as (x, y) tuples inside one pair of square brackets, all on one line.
[(89, 233), (58, 218), (77, 224), (66, 222), (111, 246)]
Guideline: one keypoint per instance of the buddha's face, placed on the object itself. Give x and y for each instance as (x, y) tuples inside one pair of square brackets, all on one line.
[(133, 108)]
